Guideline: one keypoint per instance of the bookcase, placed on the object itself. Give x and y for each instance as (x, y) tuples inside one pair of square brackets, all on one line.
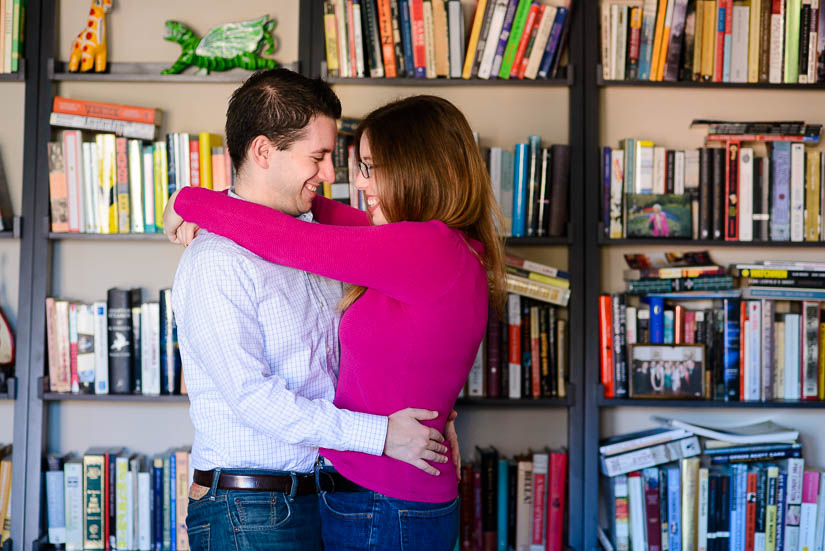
[(662, 112), (82, 266)]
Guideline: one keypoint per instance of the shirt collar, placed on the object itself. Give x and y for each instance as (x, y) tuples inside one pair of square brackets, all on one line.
[(305, 217)]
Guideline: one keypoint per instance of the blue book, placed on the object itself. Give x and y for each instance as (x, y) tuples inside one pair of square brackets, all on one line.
[(56, 506), (657, 320), (781, 194), (552, 47), (406, 36), (781, 504), (507, 191), (520, 162), (170, 363), (157, 506), (646, 44), (668, 334), (783, 293), (674, 509), (606, 191), (501, 518), (509, 15), (172, 177), (730, 349), (738, 504), (173, 501)]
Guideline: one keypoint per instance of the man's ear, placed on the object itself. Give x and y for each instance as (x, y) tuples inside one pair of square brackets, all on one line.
[(261, 151)]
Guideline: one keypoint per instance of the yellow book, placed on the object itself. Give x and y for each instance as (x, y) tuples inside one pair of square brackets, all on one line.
[(472, 44), (770, 513), (690, 505), (697, 39), (660, 66), (182, 487), (554, 281), (709, 39), (161, 183), (657, 39), (107, 190), (326, 190), (206, 142), (812, 184), (821, 363), (753, 41), (331, 38), (5, 490)]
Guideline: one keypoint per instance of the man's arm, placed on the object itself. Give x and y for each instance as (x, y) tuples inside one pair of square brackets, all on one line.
[(233, 357)]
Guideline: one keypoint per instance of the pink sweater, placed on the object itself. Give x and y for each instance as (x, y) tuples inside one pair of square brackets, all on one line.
[(409, 341)]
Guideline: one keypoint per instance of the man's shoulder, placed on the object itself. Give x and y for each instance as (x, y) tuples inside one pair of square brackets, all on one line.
[(211, 247)]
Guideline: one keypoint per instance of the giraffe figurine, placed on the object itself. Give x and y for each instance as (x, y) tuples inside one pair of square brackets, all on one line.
[(89, 48)]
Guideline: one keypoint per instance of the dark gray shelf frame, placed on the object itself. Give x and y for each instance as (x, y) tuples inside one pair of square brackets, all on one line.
[(145, 72), (11, 390), (601, 82), (19, 76)]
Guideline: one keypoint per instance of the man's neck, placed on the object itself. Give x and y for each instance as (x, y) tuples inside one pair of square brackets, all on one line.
[(254, 193)]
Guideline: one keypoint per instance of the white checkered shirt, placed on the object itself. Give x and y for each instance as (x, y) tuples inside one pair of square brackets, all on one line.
[(260, 356)]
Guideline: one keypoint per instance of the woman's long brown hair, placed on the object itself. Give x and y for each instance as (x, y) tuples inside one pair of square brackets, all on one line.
[(429, 167)]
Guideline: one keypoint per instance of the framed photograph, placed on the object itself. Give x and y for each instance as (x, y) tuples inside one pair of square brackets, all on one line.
[(667, 371), (665, 216)]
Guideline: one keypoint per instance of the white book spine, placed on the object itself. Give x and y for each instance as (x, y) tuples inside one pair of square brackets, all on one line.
[(56, 507), (607, 45), (101, 348), (753, 348), (455, 21), (184, 166), (775, 74), (144, 542), (148, 187), (475, 381), (538, 534), (524, 505), (621, 43), (496, 23), (73, 483), (343, 40), (85, 345), (797, 192), (820, 516), (635, 492), (644, 168), (360, 66), (739, 44), (659, 157), (807, 520), (429, 40), (542, 35), (792, 360), (692, 169), (679, 173), (630, 324), (89, 188), (746, 194), (793, 512), (94, 189), (514, 318), (136, 186), (139, 130), (131, 481), (71, 159), (495, 174), (146, 375), (702, 516)]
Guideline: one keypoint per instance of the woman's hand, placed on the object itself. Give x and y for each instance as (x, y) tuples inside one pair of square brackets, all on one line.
[(452, 438), (176, 230)]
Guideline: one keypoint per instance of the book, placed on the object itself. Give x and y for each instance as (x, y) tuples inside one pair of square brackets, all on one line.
[(754, 433), (71, 106)]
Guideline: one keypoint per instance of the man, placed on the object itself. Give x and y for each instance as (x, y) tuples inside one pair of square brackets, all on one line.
[(259, 341)]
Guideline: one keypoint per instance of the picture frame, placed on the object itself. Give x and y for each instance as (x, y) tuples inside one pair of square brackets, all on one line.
[(665, 216), (667, 371)]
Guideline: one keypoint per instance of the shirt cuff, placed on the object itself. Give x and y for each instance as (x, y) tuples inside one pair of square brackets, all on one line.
[(366, 433)]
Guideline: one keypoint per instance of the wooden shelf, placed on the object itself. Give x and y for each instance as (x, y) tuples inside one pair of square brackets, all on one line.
[(62, 397), (704, 84), (108, 236), (504, 403), (146, 72)]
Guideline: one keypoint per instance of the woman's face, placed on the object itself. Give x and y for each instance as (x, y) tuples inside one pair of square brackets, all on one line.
[(369, 185)]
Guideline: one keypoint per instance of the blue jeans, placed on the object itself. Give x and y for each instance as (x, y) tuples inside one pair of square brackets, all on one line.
[(240, 520), (371, 521)]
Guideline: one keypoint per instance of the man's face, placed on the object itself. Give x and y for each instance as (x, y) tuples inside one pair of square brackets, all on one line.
[(295, 174)]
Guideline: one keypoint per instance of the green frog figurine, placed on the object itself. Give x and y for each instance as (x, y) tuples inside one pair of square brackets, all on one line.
[(224, 47)]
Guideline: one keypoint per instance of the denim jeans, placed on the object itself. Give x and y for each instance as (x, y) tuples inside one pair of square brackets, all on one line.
[(240, 520), (371, 521)]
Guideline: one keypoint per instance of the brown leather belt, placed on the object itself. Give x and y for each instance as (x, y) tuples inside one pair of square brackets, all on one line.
[(258, 482)]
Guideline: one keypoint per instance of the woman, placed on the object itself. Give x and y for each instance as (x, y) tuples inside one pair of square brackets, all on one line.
[(422, 263)]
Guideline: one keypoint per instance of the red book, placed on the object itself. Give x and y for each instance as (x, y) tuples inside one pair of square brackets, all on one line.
[(466, 491), (535, 353), (719, 65), (653, 510), (514, 337), (478, 540), (73, 347), (100, 110), (534, 31), (104, 482), (557, 492), (525, 38), (194, 163), (750, 512), (540, 473), (493, 353), (419, 41), (743, 323), (606, 344), (690, 327), (732, 192), (353, 56), (387, 45)]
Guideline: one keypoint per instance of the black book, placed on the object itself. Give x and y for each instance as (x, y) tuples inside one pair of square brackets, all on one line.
[(761, 199), (560, 161), (670, 162), (119, 316), (170, 365), (398, 46), (494, 351), (718, 193), (663, 508), (713, 491), (718, 354), (804, 32), (489, 493), (761, 499), (545, 183), (619, 346), (552, 353), (723, 509), (372, 38), (560, 50), (686, 72), (504, 359), (526, 350), (512, 491), (482, 37), (705, 193), (544, 351), (533, 185), (136, 296)]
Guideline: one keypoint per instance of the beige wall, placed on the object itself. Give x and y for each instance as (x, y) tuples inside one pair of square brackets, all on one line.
[(664, 115)]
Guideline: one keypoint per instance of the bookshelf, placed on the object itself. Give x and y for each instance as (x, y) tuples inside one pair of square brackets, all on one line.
[(661, 111)]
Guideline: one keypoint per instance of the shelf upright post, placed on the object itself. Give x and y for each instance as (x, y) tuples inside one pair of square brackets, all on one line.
[(592, 267), (311, 44)]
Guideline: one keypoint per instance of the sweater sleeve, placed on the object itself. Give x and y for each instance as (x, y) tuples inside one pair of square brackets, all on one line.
[(409, 261), (328, 211)]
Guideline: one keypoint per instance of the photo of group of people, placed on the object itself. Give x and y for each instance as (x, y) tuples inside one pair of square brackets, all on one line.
[(667, 371)]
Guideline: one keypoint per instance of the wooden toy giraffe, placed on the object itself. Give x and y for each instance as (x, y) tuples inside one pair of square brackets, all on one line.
[(89, 48)]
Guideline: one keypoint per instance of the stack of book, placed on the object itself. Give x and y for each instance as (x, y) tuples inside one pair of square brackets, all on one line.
[(531, 185), (124, 345), (762, 342), (111, 498), (514, 504), (119, 182), (718, 193), (12, 25), (749, 490), (758, 41), (525, 354), (426, 39), (5, 492)]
